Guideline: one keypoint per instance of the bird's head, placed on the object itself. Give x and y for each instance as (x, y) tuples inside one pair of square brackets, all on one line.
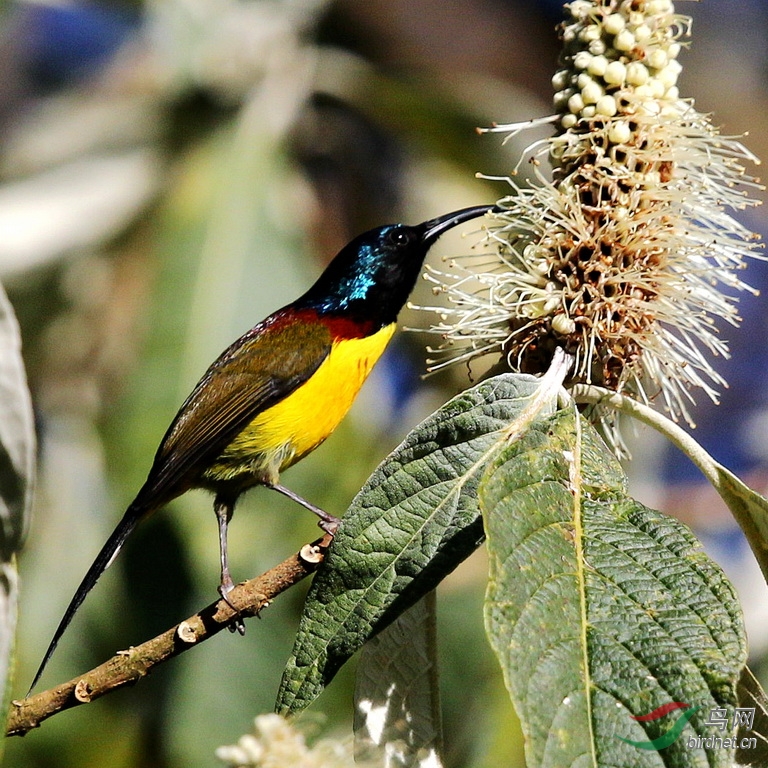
[(373, 275)]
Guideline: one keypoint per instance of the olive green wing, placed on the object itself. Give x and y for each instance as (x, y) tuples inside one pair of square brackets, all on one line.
[(257, 371)]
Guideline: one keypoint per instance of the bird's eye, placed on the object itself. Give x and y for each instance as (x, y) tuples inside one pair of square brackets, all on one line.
[(399, 237)]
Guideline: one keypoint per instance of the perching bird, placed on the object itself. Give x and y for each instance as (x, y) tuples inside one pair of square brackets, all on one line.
[(281, 389)]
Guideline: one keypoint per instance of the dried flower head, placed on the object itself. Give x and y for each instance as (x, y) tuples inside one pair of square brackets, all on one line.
[(622, 257)]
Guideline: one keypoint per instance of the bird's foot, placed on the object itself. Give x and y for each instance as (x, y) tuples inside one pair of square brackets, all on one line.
[(329, 524), (237, 625)]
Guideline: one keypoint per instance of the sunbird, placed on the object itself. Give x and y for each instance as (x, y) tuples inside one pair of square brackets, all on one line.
[(281, 389)]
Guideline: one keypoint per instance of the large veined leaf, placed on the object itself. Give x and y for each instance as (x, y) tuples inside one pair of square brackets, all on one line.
[(752, 734), (413, 522), (749, 508), (601, 610), (397, 697)]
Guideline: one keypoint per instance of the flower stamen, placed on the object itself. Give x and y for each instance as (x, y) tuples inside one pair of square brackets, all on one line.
[(622, 257)]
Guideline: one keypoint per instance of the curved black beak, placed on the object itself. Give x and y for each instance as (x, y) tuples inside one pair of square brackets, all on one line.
[(435, 227)]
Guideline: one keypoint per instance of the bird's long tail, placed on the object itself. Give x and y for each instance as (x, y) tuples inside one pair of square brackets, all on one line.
[(103, 560)]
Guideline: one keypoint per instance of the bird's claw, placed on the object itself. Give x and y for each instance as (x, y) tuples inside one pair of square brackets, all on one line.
[(329, 524), (237, 624)]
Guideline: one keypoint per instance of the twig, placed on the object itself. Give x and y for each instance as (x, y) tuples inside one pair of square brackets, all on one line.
[(128, 667)]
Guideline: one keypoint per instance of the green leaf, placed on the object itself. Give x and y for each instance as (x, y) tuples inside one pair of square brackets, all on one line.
[(600, 609), (413, 522), (397, 696), (749, 508), (752, 739)]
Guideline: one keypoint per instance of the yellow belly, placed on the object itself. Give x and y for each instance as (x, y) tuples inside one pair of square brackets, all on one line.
[(289, 430)]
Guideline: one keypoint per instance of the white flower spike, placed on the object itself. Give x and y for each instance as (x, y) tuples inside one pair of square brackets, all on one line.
[(621, 258)]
